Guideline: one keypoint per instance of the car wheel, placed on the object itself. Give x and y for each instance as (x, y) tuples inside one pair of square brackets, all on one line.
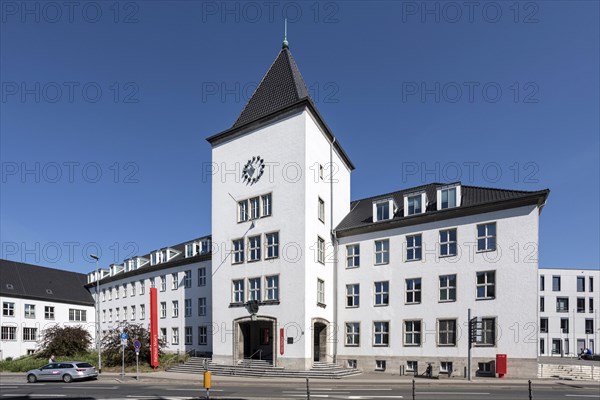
[(67, 378), (31, 378)]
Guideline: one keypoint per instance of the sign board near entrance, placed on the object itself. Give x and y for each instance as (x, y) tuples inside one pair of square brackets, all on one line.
[(281, 340)]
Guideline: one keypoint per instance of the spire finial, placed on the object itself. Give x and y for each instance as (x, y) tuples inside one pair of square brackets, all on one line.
[(285, 42)]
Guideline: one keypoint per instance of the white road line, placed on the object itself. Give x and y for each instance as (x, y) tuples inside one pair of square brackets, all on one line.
[(375, 397), (46, 395), (91, 387), (461, 393), (595, 396)]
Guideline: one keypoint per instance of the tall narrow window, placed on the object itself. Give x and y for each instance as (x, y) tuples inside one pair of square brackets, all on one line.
[(254, 248), (413, 291), (174, 335), (202, 273), (486, 285), (238, 291), (320, 250), (188, 335), (353, 256), (556, 283), (448, 287), (412, 333), (254, 208), (447, 332), (381, 333), (321, 210), (243, 214), (581, 283), (266, 205), (320, 291), (272, 289), (448, 243), (352, 295), (174, 281), (488, 337), (188, 307), (542, 283), (382, 293), (415, 205), (486, 237), (202, 335), (254, 289), (448, 198), (413, 247), (272, 244), (591, 284), (543, 325), (175, 313), (382, 252), (383, 210), (238, 252), (542, 304), (201, 306), (352, 333), (187, 279)]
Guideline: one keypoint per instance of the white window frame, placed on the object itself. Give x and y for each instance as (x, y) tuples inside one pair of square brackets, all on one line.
[(201, 306), (238, 251), (448, 246), (266, 205), (445, 286), (188, 335), (272, 288), (163, 283), (487, 241), (254, 289), (187, 308), (175, 336), (381, 333), (321, 210), (202, 275), (271, 245), (254, 248), (447, 333), (320, 291), (413, 332), (486, 284), (202, 335), (352, 336), (254, 203), (382, 256), (30, 334), (413, 293), (320, 250), (48, 312), (142, 311), (440, 196), (353, 255), (175, 309), (8, 309), (414, 247), (411, 197), (381, 293), (243, 211), (488, 336), (238, 291), (29, 311), (187, 279), (142, 287), (353, 295), (163, 309), (174, 281)]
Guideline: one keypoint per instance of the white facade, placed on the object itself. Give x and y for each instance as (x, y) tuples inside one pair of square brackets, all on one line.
[(23, 322), (568, 311)]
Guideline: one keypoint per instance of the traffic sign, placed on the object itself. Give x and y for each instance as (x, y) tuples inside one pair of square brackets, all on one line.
[(124, 336), (137, 344)]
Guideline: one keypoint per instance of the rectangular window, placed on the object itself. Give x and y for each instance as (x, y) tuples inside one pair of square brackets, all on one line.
[(201, 306), (110, 315), (488, 337), (103, 295), (380, 365), (542, 304), (382, 293), (103, 315), (486, 237), (352, 295), (187, 307), (542, 282), (142, 287), (132, 312), (238, 251), (175, 336), (448, 287), (163, 309), (272, 244), (413, 291), (581, 283), (48, 312), (133, 288), (29, 334), (29, 310), (163, 283), (188, 335), (591, 284), (321, 210), (353, 256), (412, 333), (125, 313), (202, 335), (413, 247), (562, 304), (254, 248), (381, 333), (9, 333), (117, 316), (238, 291), (142, 311), (202, 274), (542, 346), (591, 305), (352, 333), (446, 367), (556, 283), (116, 292), (254, 289), (8, 309), (187, 279), (564, 325), (351, 364), (412, 366), (152, 282), (382, 251), (448, 198), (415, 205), (486, 285), (447, 332), (383, 210), (243, 211), (320, 291), (589, 326), (272, 289), (174, 281), (266, 205), (320, 250), (581, 304), (448, 243), (124, 290), (163, 334), (77, 315), (254, 208)]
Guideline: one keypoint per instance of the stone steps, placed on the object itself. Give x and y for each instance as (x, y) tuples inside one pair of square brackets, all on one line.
[(263, 368), (570, 372)]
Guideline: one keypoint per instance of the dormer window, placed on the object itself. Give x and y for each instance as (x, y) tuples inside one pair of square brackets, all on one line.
[(160, 256), (383, 210), (194, 248), (448, 197), (414, 203)]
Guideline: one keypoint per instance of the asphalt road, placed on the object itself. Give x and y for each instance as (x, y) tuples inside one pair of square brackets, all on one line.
[(15, 389)]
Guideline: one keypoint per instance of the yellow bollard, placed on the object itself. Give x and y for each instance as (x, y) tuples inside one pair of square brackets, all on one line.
[(207, 383)]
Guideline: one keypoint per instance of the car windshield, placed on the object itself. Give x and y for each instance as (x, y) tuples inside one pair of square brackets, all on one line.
[(84, 365)]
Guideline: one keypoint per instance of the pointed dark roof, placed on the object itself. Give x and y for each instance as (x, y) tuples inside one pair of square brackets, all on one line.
[(281, 87), (474, 200)]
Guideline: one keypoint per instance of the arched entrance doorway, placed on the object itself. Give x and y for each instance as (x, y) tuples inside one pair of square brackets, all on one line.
[(255, 339), (319, 339)]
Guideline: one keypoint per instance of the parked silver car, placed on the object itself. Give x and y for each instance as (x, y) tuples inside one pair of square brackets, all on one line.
[(67, 371)]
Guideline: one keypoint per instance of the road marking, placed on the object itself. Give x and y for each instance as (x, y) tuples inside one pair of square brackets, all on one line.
[(46, 395), (92, 387), (375, 397), (457, 393), (595, 396)]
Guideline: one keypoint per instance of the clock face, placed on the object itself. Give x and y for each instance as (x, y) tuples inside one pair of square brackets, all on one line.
[(253, 170)]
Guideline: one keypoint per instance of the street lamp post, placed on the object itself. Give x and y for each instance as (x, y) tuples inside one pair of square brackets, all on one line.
[(95, 257)]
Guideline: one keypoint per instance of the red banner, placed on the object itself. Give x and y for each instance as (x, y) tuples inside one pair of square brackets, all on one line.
[(281, 340), (153, 328)]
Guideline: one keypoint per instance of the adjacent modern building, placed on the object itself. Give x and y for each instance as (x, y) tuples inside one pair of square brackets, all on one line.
[(568, 311), (34, 298)]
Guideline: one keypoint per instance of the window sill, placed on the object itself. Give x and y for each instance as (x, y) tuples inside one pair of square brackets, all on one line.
[(412, 304), (447, 301), (412, 345), (447, 256), (484, 298), (446, 345), (351, 345), (381, 305), (381, 345), (354, 267), (350, 307), (322, 305), (385, 263), (484, 251), (413, 259)]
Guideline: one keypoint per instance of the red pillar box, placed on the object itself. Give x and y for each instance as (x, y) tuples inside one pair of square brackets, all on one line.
[(501, 365)]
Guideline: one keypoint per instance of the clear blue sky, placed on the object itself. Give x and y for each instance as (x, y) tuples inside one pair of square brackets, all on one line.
[(109, 107)]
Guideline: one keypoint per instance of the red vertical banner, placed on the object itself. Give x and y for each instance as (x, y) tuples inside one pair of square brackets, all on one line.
[(153, 328), (281, 341)]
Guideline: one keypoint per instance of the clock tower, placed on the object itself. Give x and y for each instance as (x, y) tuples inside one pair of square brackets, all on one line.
[(280, 184)]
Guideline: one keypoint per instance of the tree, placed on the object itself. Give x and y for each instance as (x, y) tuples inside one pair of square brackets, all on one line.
[(65, 341), (112, 349)]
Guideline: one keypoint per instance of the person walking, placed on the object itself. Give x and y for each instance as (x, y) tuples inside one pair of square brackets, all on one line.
[(52, 359)]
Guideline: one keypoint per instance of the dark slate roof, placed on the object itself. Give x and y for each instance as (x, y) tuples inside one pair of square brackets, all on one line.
[(179, 259), (474, 199), (41, 283), (282, 86)]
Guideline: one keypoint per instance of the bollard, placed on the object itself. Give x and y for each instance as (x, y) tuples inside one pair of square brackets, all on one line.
[(307, 390), (413, 392), (207, 383), (530, 397)]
